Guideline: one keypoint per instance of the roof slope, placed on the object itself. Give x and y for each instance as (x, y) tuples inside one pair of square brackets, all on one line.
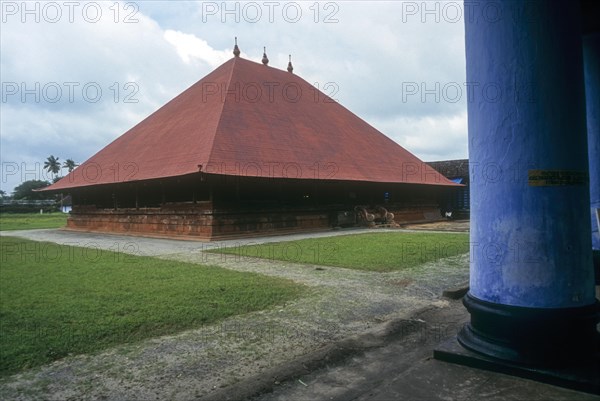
[(249, 119)]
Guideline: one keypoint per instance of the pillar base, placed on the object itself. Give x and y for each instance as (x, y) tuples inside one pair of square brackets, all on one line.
[(537, 337), (585, 377)]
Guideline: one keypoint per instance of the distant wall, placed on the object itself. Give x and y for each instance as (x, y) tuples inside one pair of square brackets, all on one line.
[(199, 221), (174, 220), (204, 222)]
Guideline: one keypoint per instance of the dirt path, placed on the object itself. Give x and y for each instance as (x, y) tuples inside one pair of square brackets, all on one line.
[(445, 225), (197, 363)]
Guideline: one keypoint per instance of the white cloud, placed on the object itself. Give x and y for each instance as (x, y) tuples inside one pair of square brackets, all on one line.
[(190, 47), (429, 138)]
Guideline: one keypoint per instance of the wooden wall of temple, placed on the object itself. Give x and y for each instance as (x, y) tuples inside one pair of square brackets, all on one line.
[(230, 207)]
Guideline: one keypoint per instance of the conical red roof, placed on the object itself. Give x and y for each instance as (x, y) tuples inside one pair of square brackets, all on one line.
[(249, 119)]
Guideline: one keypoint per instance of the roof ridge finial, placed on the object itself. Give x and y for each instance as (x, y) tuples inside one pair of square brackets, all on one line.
[(265, 59), (236, 49), (290, 66)]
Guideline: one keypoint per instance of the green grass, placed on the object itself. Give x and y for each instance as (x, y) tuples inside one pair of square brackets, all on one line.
[(380, 252), (28, 221), (57, 300)]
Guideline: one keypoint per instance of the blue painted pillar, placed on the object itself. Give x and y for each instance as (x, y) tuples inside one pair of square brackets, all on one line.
[(591, 62), (531, 295)]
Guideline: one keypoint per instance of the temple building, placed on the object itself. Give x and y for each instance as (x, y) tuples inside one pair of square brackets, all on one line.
[(250, 149), (456, 204)]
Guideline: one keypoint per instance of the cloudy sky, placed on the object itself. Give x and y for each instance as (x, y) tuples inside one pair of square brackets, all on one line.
[(76, 75)]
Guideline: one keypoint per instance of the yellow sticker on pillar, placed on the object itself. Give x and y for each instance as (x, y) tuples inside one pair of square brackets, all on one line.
[(554, 178)]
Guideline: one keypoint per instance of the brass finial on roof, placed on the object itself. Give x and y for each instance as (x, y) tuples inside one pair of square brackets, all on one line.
[(290, 66), (236, 49), (265, 59)]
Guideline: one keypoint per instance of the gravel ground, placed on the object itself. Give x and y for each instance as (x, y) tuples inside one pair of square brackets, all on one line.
[(190, 365)]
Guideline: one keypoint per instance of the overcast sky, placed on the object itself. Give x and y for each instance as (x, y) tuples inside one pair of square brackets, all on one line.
[(76, 75)]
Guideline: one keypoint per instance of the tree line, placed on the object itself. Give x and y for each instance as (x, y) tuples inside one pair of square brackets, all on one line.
[(53, 166), (26, 189)]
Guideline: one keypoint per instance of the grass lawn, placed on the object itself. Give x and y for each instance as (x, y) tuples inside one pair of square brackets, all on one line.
[(380, 252), (57, 300), (28, 221)]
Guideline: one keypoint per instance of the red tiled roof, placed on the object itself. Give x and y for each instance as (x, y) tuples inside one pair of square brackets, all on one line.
[(249, 119)]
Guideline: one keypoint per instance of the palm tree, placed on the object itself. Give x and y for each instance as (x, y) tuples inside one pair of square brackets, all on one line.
[(70, 165), (52, 165)]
